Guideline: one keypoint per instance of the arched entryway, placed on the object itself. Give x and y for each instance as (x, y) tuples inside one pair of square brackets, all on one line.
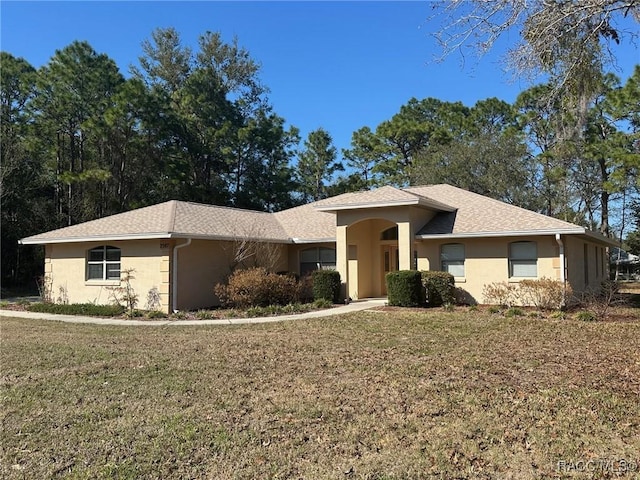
[(372, 252)]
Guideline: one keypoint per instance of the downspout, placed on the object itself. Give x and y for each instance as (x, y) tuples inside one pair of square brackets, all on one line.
[(174, 280), (563, 275)]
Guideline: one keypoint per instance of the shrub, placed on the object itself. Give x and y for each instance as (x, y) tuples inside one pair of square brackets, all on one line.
[(204, 314), (404, 288), (305, 289), (154, 300), (544, 293), (326, 285), (499, 293), (514, 312), (439, 288), (322, 303), (586, 316), (448, 307), (256, 287), (599, 302), (78, 309), (124, 293), (155, 314)]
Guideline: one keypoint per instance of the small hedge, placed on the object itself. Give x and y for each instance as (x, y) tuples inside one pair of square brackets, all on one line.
[(404, 288), (326, 285), (78, 309), (439, 288)]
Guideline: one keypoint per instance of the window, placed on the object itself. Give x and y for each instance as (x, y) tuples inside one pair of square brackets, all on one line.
[(452, 259), (523, 259), (103, 263), (390, 234), (320, 258)]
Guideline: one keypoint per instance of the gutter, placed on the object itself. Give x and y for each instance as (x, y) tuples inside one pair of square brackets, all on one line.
[(174, 279), (511, 233)]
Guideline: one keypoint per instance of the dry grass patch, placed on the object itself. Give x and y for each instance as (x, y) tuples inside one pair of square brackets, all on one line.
[(375, 395)]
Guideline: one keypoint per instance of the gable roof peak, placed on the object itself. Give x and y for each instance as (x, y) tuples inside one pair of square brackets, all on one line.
[(385, 196)]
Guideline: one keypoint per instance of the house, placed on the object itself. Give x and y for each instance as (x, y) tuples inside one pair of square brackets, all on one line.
[(180, 250)]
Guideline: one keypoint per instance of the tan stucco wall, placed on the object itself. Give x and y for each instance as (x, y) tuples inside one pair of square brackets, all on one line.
[(486, 261), (596, 264), (200, 266), (65, 266), (205, 263)]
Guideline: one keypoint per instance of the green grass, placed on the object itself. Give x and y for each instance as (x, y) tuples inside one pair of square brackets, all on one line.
[(374, 395)]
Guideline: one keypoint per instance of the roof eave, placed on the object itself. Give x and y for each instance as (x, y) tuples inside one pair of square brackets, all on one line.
[(93, 238), (601, 238), (313, 240), (231, 238), (420, 202), (143, 236)]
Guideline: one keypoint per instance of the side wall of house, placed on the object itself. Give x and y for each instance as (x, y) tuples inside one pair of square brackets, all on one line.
[(487, 261), (66, 272), (587, 264)]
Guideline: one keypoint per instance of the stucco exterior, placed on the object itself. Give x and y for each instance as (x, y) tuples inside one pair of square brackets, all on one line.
[(204, 263), (66, 265), (487, 261), (184, 249), (588, 264)]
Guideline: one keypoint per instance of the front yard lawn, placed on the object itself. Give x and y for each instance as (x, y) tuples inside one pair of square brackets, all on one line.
[(373, 395)]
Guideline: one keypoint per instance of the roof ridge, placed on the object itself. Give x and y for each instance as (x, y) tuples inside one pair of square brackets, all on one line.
[(226, 207), (173, 206)]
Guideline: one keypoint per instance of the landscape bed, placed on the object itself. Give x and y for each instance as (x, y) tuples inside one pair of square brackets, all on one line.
[(375, 395)]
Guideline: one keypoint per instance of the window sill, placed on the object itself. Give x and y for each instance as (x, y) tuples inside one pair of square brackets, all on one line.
[(460, 279), (102, 283), (519, 279)]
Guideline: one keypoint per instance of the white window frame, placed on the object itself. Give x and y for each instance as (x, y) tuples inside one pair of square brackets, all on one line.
[(453, 255), (107, 264), (523, 264)]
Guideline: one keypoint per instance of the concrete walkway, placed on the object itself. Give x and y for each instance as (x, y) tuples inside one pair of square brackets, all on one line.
[(352, 307)]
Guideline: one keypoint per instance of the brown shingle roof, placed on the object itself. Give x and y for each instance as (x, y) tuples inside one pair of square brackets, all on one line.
[(306, 223), (198, 220), (477, 214), (155, 220), (171, 219), (459, 213)]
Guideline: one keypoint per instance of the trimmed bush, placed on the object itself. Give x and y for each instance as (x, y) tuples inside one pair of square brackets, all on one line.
[(544, 293), (78, 309), (440, 288), (404, 288), (256, 287), (500, 293), (326, 285)]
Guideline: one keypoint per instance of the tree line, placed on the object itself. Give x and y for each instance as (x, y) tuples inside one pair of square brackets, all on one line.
[(80, 141)]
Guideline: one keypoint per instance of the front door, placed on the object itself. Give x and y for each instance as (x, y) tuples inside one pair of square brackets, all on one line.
[(390, 263)]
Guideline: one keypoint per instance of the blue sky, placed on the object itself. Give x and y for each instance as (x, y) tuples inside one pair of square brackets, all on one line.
[(335, 65)]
